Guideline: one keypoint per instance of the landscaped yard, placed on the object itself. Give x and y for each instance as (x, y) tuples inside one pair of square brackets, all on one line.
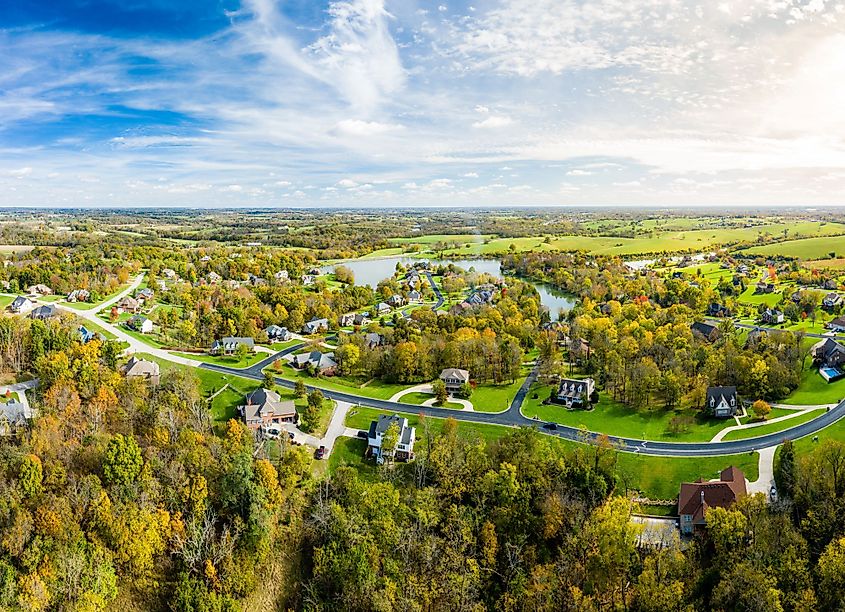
[(91, 305), (232, 361), (762, 430), (614, 418), (368, 388), (418, 398), (350, 451), (815, 390), (280, 346)]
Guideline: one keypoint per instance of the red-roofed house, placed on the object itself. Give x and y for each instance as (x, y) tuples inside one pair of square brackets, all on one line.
[(697, 497)]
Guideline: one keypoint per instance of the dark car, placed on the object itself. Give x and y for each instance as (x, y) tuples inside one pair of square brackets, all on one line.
[(321, 452), (550, 426), (290, 435), (363, 434)]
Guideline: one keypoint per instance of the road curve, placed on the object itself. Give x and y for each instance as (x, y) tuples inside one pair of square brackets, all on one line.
[(513, 417)]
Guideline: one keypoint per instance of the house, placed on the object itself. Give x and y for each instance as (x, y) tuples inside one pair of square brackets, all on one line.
[(205, 258), (141, 368), (308, 279), (743, 269), (324, 363), (755, 336), (347, 319), (128, 304), (140, 323), (574, 393), (315, 271), (79, 295), (315, 326), (718, 310), (831, 301), (21, 304), (454, 378), (39, 290), (722, 402), (396, 300), (231, 283), (361, 319), (837, 325), (459, 309), (213, 278), (772, 317), (696, 498), (256, 281), (42, 313), (144, 295), (478, 298), (382, 308), (415, 296), (264, 407), (828, 353), (796, 296), (13, 417), (86, 335), (372, 340), (405, 435), (229, 345), (169, 273), (709, 332), (281, 276), (277, 333), (762, 287), (830, 284)]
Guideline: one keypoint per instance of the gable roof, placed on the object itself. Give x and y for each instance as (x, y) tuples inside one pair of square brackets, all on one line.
[(705, 329), (715, 396), (455, 373), (266, 403), (696, 497), (141, 367)]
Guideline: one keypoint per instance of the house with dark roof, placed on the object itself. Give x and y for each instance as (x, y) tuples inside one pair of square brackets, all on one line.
[(140, 324), (264, 407), (478, 298), (828, 353), (315, 326), (763, 287), (21, 304), (145, 295), (454, 379), (574, 393), (86, 335), (707, 331), (13, 417), (228, 345), (403, 450), (696, 498), (837, 324), (396, 300), (831, 301), (361, 319), (718, 310), (324, 363), (45, 312), (346, 320), (277, 333), (771, 316), (372, 340), (722, 402)]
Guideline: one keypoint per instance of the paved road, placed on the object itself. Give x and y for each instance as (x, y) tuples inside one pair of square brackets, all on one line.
[(436, 290), (513, 417)]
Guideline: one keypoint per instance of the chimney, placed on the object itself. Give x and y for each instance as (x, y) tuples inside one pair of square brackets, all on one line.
[(702, 496)]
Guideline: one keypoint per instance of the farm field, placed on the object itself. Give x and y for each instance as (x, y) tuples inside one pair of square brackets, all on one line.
[(808, 248)]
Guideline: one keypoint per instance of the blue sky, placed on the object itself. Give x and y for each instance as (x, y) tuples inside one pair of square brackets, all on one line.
[(402, 103)]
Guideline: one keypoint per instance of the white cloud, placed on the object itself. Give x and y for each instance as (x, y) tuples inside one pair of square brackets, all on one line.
[(21, 172), (347, 183), (470, 175), (492, 122), (357, 127)]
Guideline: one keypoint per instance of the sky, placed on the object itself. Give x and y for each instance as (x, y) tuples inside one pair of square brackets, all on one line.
[(383, 103)]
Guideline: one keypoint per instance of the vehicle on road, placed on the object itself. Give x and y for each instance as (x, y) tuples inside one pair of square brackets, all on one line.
[(320, 453), (550, 426)]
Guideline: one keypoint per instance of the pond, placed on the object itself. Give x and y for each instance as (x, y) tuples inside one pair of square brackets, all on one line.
[(372, 271)]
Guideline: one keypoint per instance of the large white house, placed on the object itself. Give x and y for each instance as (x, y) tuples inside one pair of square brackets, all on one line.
[(404, 447)]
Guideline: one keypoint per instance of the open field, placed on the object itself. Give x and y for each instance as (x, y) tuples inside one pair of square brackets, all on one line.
[(808, 248), (232, 361)]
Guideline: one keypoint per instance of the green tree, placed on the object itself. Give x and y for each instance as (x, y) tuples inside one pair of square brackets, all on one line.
[(30, 475), (761, 409), (785, 472), (347, 357), (440, 393), (465, 391), (313, 410), (269, 380), (122, 462), (299, 388)]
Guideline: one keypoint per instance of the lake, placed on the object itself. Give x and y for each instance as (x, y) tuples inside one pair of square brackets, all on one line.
[(372, 271)]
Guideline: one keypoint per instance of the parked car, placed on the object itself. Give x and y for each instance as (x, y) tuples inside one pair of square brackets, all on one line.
[(321, 452), (363, 434), (773, 494), (290, 435), (550, 426)]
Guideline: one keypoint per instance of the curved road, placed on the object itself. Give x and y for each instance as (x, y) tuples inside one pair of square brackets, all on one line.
[(513, 417)]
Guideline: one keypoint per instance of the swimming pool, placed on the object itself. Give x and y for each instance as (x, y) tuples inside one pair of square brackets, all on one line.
[(830, 374)]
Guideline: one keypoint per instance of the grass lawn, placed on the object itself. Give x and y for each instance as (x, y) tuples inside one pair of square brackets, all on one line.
[(359, 417), (92, 305), (350, 451), (90, 325), (488, 397), (280, 346), (232, 361), (5, 300), (814, 389), (660, 477), (302, 403), (368, 388), (614, 418), (12, 397), (762, 430), (750, 297), (417, 398), (655, 510)]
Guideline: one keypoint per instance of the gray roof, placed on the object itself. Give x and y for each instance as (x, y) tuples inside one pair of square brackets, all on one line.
[(44, 312), (715, 395), (455, 373), (321, 360), (265, 402), (141, 367), (384, 421), (233, 342)]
